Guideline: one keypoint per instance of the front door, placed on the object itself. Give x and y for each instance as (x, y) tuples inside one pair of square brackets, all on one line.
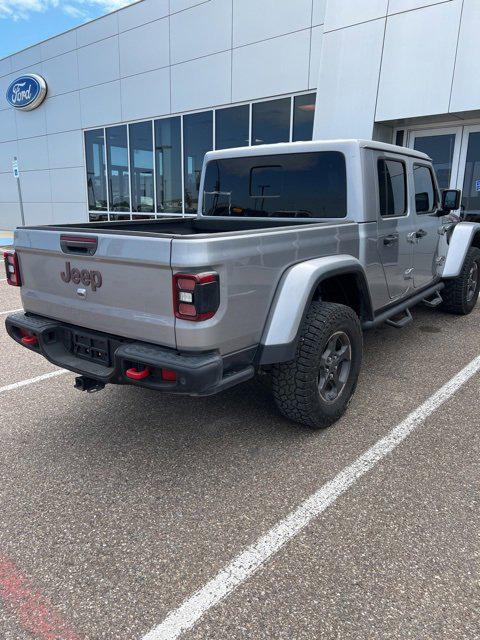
[(395, 223), (425, 238)]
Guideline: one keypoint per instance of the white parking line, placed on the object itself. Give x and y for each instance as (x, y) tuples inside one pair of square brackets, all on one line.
[(5, 313), (24, 383), (249, 561)]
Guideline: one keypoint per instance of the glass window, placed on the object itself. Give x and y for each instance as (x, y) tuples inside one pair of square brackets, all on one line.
[(117, 161), (471, 182), (440, 149), (168, 157), (232, 127), (141, 166), (302, 185), (95, 157), (271, 121), (197, 140), (392, 186), (425, 193), (98, 217), (303, 114)]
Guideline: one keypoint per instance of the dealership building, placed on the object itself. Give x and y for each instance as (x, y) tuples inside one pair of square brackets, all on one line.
[(111, 120)]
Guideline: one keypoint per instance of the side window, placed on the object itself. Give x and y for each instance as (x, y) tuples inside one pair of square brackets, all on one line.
[(425, 191), (392, 186)]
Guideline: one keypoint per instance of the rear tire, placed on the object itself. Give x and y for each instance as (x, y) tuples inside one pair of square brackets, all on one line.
[(460, 294), (316, 387)]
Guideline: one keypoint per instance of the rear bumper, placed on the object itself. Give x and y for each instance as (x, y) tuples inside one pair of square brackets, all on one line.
[(197, 374)]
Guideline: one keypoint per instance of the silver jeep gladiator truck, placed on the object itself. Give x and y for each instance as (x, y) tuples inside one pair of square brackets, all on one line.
[(295, 250)]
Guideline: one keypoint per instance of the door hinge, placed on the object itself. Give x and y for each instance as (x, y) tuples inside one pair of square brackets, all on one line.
[(408, 274)]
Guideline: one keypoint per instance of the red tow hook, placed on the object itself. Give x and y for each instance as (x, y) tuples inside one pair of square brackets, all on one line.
[(29, 341), (135, 374)]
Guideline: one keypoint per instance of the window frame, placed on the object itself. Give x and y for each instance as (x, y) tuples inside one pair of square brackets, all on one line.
[(406, 209), (436, 200)]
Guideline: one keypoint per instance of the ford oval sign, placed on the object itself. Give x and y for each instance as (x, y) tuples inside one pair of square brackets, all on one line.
[(27, 92)]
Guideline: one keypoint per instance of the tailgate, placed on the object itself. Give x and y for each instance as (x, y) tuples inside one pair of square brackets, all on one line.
[(124, 288)]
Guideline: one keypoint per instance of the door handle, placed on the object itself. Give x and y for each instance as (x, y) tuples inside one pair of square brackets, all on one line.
[(391, 239), (421, 233)]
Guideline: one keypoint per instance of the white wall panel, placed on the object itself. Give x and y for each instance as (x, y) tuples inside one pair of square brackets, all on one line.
[(69, 212), (318, 13), (10, 215), (61, 73), (8, 188), (36, 186), (396, 6), (5, 82), (63, 112), (315, 52), (68, 185), (272, 67), (348, 12), (31, 123), (202, 83), (33, 153), (280, 18), (101, 104), (466, 84), (65, 149), (7, 151), (348, 80), (27, 58), (58, 45), (201, 31), (99, 63), (145, 48), (97, 30), (147, 94), (5, 66), (141, 13), (38, 213), (418, 62), (180, 5), (8, 127)]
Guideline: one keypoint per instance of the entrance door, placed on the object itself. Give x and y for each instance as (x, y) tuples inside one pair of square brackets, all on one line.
[(470, 170), (443, 147)]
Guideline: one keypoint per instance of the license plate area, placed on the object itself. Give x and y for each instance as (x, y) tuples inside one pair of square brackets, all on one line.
[(89, 346)]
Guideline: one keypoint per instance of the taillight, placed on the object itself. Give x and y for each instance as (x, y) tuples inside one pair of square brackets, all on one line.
[(12, 269), (196, 296)]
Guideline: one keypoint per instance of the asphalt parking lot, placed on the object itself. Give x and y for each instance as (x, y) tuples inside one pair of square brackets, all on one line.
[(116, 507)]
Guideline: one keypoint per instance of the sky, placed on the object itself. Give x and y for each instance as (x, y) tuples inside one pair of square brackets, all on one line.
[(26, 22)]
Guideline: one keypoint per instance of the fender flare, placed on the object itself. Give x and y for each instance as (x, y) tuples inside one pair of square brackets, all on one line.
[(292, 299), (459, 243)]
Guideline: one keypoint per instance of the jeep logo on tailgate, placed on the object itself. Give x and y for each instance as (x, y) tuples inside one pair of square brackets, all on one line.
[(88, 278)]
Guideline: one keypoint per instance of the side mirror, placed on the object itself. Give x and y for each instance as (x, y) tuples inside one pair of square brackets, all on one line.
[(451, 199)]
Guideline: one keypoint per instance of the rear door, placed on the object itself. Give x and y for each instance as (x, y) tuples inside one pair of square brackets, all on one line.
[(395, 224), (114, 283)]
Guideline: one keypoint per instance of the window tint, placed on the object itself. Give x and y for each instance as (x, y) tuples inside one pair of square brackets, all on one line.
[(141, 163), (471, 182), (302, 185), (232, 127), (168, 157), (303, 114), (440, 149), (425, 196), (95, 157), (198, 138), (117, 161), (392, 186), (271, 121)]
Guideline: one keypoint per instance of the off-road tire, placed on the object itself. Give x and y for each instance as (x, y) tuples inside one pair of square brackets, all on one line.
[(455, 293), (295, 384)]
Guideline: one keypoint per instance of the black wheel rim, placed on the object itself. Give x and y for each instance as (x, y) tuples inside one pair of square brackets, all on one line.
[(335, 365), (472, 282)]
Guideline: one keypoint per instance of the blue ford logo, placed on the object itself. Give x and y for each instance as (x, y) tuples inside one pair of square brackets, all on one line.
[(27, 92)]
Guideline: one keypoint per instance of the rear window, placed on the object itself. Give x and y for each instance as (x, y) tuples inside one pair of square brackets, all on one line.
[(303, 185)]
